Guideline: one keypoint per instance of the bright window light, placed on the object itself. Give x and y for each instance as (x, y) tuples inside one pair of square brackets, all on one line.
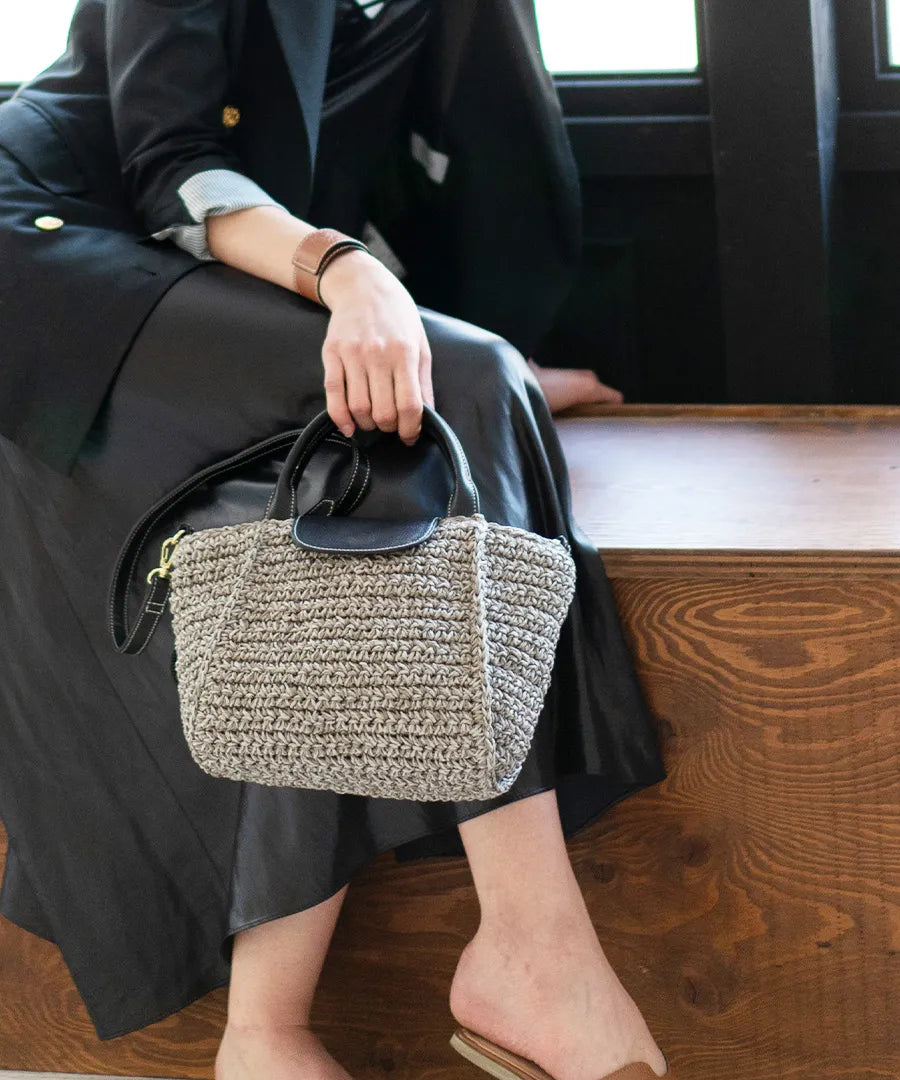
[(32, 35), (576, 35), (618, 36), (893, 19)]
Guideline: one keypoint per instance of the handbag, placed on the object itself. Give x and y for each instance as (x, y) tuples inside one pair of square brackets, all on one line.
[(400, 659)]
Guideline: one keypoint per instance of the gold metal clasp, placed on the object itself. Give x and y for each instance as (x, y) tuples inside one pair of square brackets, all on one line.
[(166, 556)]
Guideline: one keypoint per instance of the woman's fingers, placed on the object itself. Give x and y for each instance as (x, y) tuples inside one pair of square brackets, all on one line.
[(336, 391), (377, 375), (408, 394), (358, 400), (393, 390), (381, 391), (427, 390)]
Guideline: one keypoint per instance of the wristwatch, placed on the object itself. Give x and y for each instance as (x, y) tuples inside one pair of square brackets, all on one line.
[(314, 252)]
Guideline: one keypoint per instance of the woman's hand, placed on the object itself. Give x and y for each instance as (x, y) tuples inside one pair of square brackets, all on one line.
[(376, 356)]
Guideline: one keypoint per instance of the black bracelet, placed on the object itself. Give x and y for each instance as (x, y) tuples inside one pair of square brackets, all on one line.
[(336, 249)]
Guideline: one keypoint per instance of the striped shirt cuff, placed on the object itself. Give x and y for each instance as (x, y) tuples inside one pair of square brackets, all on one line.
[(207, 194)]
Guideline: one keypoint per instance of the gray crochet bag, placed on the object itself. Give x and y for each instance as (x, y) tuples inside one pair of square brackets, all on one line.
[(408, 660)]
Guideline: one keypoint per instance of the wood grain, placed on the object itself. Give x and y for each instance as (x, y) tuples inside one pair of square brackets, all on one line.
[(750, 903), (701, 487), (774, 850)]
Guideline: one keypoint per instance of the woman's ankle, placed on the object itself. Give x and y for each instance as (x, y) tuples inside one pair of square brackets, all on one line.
[(281, 1052), (262, 1025), (566, 920)]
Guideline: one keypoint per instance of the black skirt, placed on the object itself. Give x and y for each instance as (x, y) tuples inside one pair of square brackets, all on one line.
[(140, 866)]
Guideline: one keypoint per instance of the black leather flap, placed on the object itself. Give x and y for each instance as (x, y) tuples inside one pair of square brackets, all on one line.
[(359, 535)]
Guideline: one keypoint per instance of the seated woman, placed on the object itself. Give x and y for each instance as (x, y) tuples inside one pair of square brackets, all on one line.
[(155, 185)]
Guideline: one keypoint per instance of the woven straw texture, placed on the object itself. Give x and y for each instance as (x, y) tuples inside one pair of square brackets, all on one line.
[(417, 674)]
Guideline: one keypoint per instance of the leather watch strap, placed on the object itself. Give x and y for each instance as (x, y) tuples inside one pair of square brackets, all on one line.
[(314, 252)]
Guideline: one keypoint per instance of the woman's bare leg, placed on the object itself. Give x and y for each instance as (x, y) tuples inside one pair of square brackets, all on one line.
[(274, 971), (535, 978)]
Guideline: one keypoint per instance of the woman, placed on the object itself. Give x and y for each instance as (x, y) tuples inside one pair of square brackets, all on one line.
[(154, 183)]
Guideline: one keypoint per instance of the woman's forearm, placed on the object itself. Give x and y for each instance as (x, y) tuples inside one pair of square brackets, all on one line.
[(376, 357), (259, 240)]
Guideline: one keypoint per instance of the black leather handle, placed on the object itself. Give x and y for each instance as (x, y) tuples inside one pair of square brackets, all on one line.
[(463, 500), (133, 639), (282, 503)]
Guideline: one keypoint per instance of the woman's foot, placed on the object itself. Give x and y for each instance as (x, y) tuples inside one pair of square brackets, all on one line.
[(564, 387), (551, 996), (288, 1053)]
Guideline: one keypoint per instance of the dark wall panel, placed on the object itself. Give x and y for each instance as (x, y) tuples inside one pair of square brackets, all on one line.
[(646, 310), (866, 288)]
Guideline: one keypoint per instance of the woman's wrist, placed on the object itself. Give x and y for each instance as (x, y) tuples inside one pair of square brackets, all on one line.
[(347, 273)]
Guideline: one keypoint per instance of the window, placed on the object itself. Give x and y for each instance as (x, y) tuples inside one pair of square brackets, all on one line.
[(625, 58), (616, 37), (576, 36), (893, 32), (868, 34), (34, 35)]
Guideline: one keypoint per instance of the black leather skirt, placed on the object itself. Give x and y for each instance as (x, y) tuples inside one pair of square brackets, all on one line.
[(105, 810), (141, 867)]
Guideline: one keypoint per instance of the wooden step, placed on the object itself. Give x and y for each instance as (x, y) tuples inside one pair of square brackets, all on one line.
[(751, 902), (749, 488)]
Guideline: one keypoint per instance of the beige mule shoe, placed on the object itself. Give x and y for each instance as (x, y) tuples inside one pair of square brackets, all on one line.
[(505, 1065)]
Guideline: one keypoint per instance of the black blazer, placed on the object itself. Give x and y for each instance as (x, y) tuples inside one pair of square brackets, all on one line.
[(104, 137)]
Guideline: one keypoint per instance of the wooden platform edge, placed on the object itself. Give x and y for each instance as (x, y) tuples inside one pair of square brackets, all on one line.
[(662, 411), (718, 562)]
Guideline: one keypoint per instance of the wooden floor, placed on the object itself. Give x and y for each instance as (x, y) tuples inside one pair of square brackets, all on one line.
[(751, 902)]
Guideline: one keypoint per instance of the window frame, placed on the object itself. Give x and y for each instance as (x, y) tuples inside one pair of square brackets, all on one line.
[(640, 123), (644, 95), (869, 83), (639, 93)]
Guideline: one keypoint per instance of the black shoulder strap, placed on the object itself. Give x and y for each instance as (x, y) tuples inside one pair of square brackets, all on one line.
[(135, 639)]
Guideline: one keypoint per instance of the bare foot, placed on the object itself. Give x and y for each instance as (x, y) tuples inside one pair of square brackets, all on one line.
[(552, 998), (290, 1053), (564, 387)]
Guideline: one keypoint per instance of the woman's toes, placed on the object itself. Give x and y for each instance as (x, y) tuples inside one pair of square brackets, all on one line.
[(565, 387)]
